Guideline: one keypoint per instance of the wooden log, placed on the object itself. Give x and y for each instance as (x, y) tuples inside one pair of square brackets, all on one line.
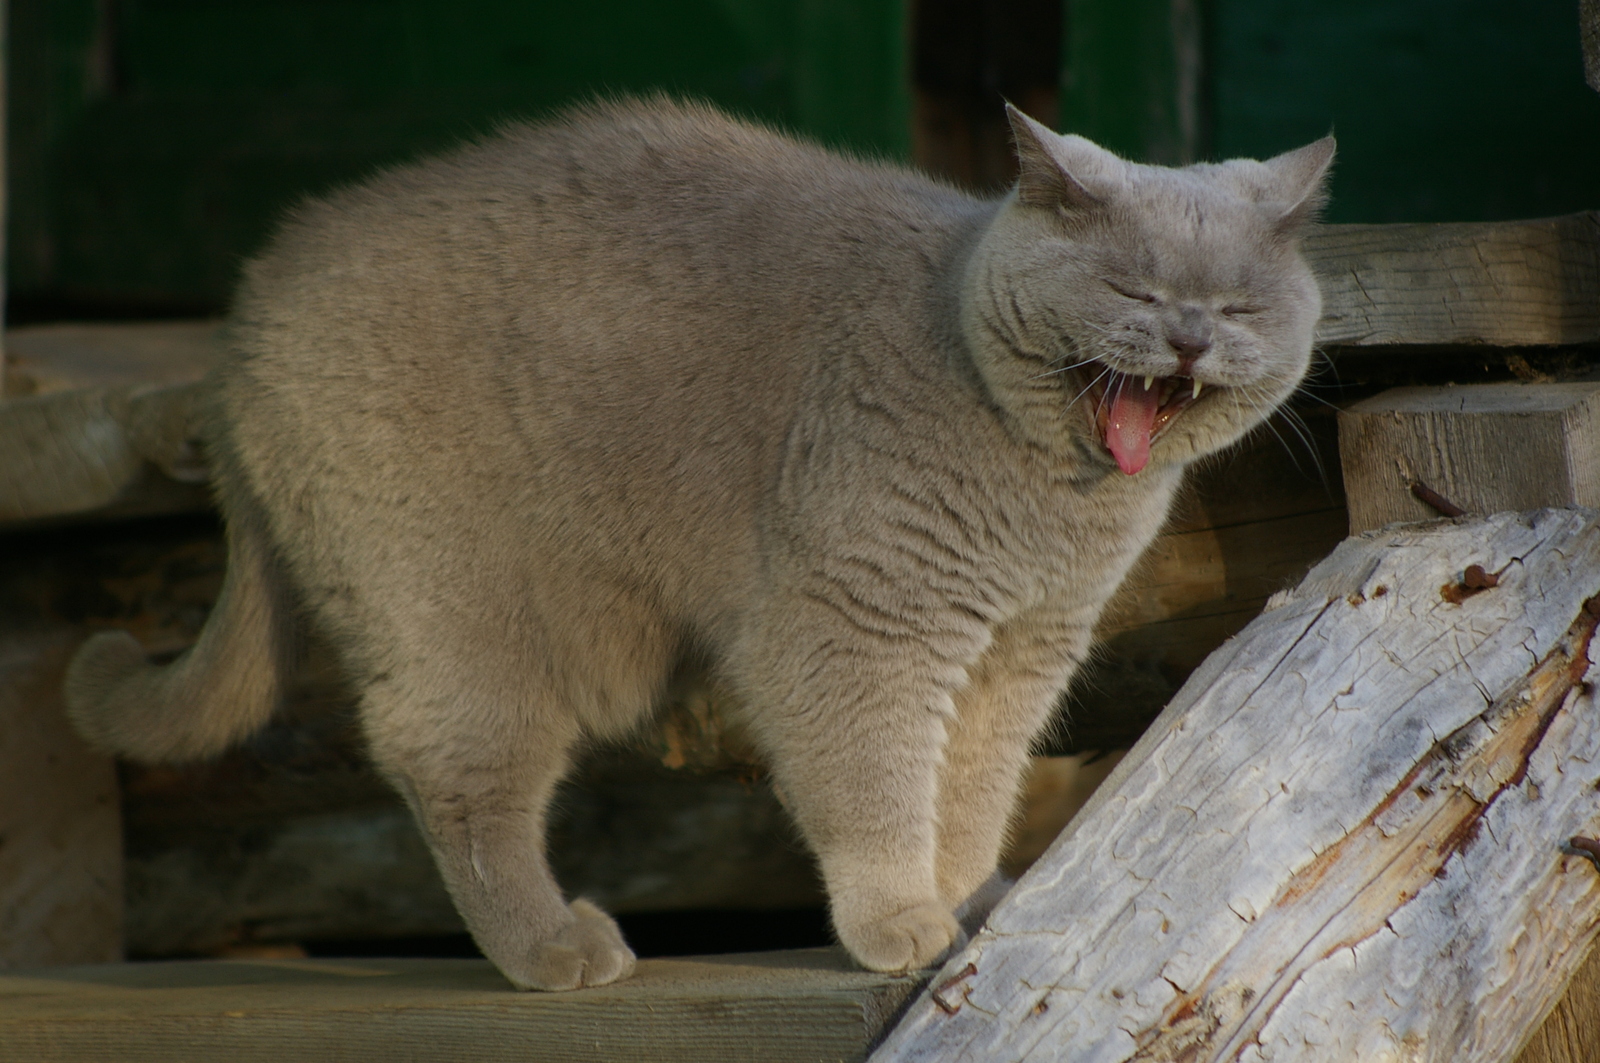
[(1506, 284), (100, 453), (1484, 447), (1345, 839), (803, 1006)]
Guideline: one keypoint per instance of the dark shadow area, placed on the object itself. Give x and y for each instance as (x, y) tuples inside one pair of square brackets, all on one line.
[(687, 933)]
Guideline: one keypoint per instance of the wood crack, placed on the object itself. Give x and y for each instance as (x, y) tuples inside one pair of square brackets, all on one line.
[(1435, 812)]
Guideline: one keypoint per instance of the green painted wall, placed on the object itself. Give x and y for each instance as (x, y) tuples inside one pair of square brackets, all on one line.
[(1445, 110), (153, 141)]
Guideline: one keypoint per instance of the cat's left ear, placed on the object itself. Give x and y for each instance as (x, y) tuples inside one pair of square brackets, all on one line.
[(1300, 180)]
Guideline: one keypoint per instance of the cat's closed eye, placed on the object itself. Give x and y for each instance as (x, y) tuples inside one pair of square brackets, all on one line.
[(1241, 310), (1131, 293)]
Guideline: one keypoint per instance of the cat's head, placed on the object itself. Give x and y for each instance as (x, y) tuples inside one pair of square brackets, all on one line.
[(1144, 314)]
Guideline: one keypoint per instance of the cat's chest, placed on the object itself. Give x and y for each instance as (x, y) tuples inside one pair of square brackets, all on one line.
[(1077, 542)]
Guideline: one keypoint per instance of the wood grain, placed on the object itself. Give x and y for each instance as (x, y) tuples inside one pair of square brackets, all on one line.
[(1505, 284), (1343, 839), (1485, 447), (807, 1006)]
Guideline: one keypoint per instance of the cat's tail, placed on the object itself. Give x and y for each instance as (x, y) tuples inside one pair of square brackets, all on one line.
[(220, 690)]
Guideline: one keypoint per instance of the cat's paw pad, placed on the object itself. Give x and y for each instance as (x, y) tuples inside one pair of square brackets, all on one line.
[(589, 952), (909, 940)]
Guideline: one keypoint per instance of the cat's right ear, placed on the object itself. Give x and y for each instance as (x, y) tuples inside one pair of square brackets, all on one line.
[(1300, 179), (1045, 175)]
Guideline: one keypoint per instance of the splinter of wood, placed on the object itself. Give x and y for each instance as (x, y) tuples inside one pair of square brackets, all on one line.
[(1426, 494), (940, 995)]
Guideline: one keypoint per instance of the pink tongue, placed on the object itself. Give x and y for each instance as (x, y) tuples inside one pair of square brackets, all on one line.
[(1133, 411)]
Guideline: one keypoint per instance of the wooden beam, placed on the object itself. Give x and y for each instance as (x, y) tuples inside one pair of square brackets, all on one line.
[(801, 1006), (45, 359), (1501, 284), (1483, 447), (1345, 839)]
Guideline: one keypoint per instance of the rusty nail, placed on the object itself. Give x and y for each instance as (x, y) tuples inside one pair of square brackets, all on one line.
[(1424, 493), (946, 1006), (1477, 579), (1581, 846)]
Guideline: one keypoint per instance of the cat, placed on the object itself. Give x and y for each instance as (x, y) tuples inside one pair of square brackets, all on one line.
[(521, 427)]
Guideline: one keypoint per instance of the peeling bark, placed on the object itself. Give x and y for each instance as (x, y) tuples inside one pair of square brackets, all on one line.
[(1345, 839)]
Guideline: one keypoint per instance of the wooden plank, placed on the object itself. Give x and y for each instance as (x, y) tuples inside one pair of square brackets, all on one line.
[(809, 1006), (1484, 447), (1505, 284), (44, 359), (60, 833), (1343, 840)]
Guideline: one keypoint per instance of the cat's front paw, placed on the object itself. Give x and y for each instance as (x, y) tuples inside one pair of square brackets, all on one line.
[(589, 952), (909, 940)]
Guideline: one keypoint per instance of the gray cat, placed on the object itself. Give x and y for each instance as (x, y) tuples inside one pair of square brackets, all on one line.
[(521, 427)]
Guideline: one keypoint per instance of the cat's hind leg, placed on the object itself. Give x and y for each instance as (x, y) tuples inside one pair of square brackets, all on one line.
[(477, 733), (479, 791)]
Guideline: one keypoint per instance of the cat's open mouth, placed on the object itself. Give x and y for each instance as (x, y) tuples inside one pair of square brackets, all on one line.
[(1129, 411)]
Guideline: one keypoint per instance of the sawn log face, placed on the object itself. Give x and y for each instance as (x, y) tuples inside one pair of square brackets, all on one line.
[(1343, 840)]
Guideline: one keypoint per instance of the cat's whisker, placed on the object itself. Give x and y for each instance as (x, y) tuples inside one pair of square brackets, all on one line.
[(1295, 421), (1085, 391), (1063, 369)]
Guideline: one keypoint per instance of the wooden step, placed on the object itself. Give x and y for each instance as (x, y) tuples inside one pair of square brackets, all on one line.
[(807, 1005)]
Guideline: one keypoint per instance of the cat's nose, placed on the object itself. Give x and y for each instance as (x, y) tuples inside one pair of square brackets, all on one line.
[(1189, 337)]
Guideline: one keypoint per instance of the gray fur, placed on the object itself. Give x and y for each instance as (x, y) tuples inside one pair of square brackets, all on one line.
[(524, 425)]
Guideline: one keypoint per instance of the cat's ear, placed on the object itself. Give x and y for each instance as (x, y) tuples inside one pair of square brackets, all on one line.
[(1057, 171), (1300, 183)]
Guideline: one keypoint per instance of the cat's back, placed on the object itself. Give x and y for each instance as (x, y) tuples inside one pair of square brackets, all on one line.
[(649, 198), (629, 299)]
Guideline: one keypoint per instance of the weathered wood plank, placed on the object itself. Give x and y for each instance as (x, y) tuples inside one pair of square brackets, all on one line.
[(1506, 284), (1485, 447), (1343, 839), (807, 1006), (45, 359)]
